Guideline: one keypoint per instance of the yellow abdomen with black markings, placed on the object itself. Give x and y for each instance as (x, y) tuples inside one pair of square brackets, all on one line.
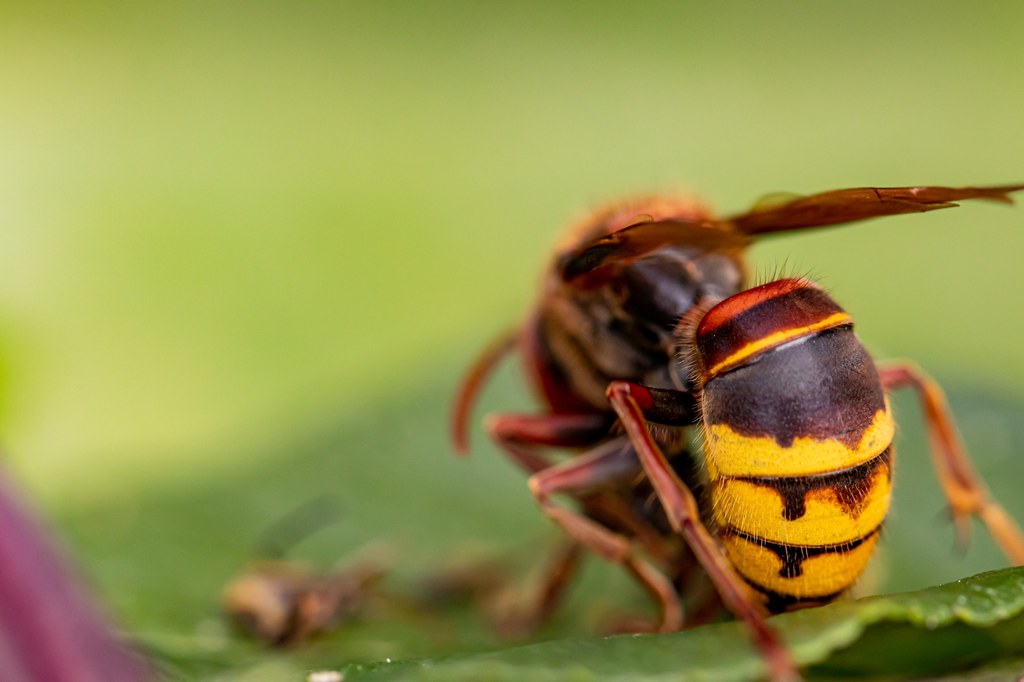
[(798, 441)]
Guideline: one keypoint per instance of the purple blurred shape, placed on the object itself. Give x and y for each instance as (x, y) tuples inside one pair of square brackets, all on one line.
[(50, 630)]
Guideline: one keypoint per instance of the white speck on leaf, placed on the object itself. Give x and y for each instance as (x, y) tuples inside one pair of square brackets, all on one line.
[(325, 676)]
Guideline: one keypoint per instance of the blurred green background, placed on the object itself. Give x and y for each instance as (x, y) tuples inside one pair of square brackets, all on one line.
[(248, 248)]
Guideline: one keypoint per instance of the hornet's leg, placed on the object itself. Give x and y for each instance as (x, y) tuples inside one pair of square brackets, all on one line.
[(590, 472), (469, 389), (683, 514), (519, 435), (966, 493), (562, 567), (565, 563)]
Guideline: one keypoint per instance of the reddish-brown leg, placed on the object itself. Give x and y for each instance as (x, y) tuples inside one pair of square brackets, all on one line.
[(681, 509), (613, 511), (519, 435), (565, 562), (469, 389), (966, 493), (593, 471), (562, 567)]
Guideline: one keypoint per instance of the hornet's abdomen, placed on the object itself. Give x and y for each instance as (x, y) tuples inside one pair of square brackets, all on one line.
[(798, 441)]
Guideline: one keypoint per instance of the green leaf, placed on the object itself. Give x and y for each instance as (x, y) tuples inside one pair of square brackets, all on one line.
[(918, 633)]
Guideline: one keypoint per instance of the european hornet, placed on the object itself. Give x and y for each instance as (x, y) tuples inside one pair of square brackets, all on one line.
[(645, 329)]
